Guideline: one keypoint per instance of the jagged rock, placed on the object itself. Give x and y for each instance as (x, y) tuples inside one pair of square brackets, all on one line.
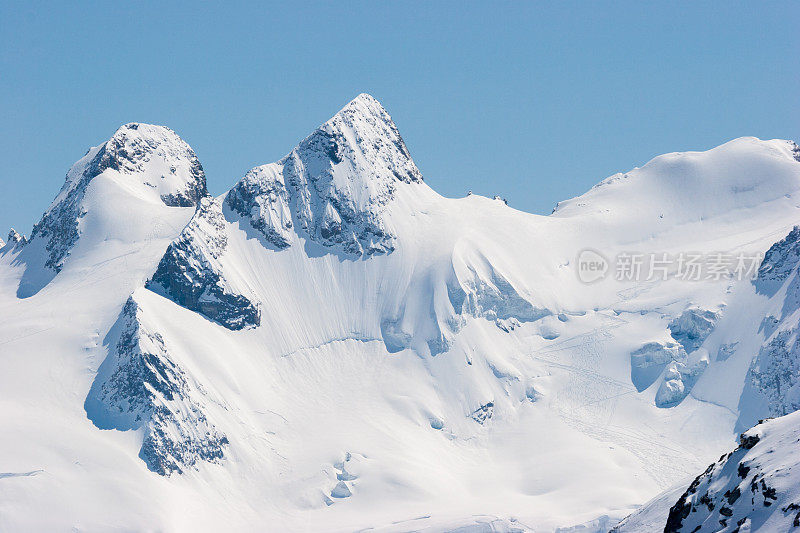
[(483, 413), (190, 273), (774, 373), (155, 155), (333, 188), (795, 150), (779, 262), (742, 486), (15, 239), (140, 385), (262, 197)]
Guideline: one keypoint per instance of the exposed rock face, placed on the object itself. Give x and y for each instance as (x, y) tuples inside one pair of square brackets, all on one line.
[(153, 156), (779, 263), (483, 414), (775, 372), (153, 150), (191, 275), (140, 385), (15, 240), (753, 487), (334, 186), (795, 150), (262, 197)]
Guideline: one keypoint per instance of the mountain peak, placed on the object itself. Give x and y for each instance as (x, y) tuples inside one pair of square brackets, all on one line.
[(366, 105), (147, 148), (15, 238), (364, 133), (145, 160), (333, 188)]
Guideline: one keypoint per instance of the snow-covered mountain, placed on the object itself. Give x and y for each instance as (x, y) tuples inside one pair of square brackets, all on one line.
[(757, 485), (333, 346)]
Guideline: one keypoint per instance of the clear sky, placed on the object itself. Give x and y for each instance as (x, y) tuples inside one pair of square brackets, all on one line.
[(530, 100)]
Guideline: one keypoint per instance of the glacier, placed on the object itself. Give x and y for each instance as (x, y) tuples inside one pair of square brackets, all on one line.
[(331, 345)]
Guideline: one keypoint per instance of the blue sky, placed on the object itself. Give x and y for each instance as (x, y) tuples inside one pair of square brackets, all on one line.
[(533, 101)]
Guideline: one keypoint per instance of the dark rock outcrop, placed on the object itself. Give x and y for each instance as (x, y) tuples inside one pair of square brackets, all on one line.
[(140, 385), (741, 488), (191, 275)]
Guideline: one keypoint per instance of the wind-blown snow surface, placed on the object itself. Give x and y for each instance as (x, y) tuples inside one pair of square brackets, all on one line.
[(333, 346)]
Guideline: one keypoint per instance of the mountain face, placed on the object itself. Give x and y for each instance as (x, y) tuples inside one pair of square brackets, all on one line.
[(332, 346), (190, 272), (149, 161), (775, 372), (754, 487), (334, 186)]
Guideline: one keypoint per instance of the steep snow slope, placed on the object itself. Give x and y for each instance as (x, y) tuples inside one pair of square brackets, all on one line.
[(331, 345), (756, 486)]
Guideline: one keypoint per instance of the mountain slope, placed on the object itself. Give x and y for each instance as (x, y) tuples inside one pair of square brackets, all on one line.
[(755, 486), (740, 490), (331, 345)]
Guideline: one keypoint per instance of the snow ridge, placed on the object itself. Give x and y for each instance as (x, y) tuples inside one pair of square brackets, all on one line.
[(752, 488)]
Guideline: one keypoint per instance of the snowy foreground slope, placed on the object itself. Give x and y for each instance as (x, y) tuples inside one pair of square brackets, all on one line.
[(333, 346), (754, 487)]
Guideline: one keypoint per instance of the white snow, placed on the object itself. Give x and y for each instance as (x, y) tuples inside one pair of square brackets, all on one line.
[(351, 405)]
